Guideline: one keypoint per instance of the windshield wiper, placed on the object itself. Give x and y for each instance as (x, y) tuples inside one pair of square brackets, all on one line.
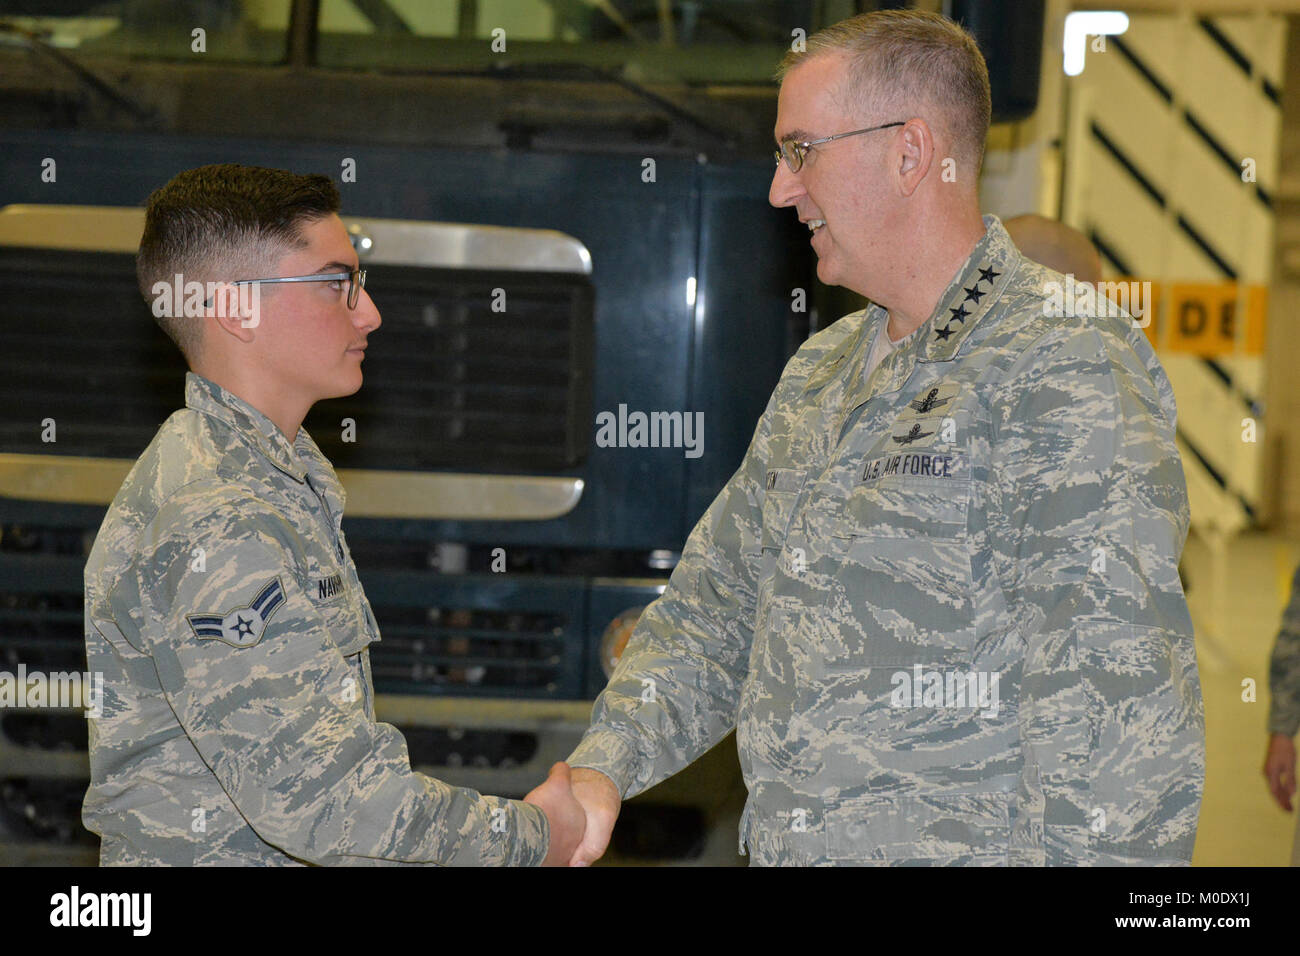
[(87, 77), (548, 71)]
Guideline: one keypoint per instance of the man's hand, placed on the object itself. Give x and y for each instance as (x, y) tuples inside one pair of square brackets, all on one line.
[(1279, 768), (568, 822), (601, 800)]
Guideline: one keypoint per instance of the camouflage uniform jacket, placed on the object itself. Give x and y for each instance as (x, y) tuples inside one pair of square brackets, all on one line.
[(940, 604), (1284, 670), (238, 725)]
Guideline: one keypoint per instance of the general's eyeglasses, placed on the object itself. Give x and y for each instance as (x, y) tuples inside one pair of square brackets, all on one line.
[(793, 151), (356, 280)]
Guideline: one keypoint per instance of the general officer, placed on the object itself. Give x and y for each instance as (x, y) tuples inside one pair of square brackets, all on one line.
[(939, 600), (222, 604)]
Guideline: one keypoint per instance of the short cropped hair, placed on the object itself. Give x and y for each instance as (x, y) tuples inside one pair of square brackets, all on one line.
[(210, 223), (898, 57)]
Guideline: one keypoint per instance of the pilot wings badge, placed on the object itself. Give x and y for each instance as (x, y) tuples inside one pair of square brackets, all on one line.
[(913, 434), (243, 626), (929, 401)]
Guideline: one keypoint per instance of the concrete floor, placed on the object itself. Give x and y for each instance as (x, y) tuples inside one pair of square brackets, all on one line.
[(1236, 590)]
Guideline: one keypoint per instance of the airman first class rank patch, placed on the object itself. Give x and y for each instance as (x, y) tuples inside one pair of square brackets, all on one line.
[(244, 626)]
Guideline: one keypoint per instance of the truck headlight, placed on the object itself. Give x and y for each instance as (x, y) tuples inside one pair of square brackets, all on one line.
[(614, 641)]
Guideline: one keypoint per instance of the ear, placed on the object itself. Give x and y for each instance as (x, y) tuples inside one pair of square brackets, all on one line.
[(916, 155), (235, 309)]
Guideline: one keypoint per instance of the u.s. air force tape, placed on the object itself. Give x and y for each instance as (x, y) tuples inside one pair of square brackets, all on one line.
[(917, 464)]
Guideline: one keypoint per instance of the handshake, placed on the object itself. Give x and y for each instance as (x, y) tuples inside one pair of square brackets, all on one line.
[(581, 806)]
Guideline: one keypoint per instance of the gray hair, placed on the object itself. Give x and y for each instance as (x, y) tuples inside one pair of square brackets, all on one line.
[(900, 57)]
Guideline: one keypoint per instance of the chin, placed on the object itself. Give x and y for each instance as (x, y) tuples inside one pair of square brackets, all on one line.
[(343, 390), (826, 272)]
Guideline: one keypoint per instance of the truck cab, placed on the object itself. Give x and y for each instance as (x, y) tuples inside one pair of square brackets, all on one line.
[(560, 234)]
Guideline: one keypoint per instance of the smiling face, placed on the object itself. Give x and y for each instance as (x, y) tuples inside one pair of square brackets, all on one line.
[(842, 183), (309, 344)]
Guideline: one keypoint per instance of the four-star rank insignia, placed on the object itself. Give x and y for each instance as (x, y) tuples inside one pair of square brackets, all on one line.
[(243, 626), (961, 313)]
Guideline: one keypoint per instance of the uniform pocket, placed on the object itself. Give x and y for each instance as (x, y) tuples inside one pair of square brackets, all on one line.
[(903, 589), (1146, 738), (948, 829), (783, 487), (336, 597), (907, 507), (345, 625)]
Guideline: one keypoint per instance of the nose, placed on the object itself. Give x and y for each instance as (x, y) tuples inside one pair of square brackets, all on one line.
[(366, 316), (786, 187)]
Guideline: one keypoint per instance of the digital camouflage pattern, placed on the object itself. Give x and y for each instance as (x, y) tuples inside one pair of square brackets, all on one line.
[(238, 725), (999, 505), (1284, 671)]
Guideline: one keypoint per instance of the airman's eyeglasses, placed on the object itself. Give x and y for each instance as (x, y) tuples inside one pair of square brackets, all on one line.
[(356, 280), (793, 151)]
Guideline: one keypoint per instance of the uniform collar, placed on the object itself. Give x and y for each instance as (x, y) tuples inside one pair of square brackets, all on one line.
[(321, 475), (978, 284), (208, 397)]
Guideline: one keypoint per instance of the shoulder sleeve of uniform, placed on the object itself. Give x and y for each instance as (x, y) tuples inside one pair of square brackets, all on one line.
[(1087, 517), (259, 685), (1078, 423), (676, 688), (1284, 670)]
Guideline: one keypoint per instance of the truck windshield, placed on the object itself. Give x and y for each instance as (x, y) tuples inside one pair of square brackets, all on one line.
[(641, 41), (202, 31), (644, 41)]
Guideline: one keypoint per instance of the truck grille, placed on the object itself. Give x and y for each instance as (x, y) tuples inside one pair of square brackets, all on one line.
[(475, 634), (467, 650), (450, 382)]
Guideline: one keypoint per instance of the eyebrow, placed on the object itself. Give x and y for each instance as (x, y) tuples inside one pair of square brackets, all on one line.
[(336, 266)]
